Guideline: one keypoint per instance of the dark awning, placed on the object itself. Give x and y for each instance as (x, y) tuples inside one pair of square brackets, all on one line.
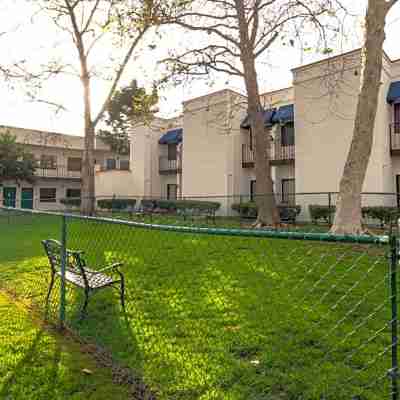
[(394, 92), (268, 115), (173, 136), (284, 114)]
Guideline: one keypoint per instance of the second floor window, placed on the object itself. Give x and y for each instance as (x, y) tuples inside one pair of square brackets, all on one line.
[(287, 135), (172, 151), (48, 162), (124, 165), (74, 164), (111, 163)]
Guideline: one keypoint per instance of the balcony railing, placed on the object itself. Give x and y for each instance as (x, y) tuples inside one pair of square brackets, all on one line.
[(278, 154), (395, 138), (166, 166), (57, 171)]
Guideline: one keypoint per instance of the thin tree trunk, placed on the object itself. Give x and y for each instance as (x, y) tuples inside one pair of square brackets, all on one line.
[(88, 178), (348, 209), (265, 199)]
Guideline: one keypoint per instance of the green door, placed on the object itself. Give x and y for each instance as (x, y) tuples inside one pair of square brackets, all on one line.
[(9, 196), (27, 198)]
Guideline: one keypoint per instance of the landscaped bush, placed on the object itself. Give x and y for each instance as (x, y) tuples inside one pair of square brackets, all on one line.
[(318, 213), (71, 202), (116, 204), (249, 210), (383, 214)]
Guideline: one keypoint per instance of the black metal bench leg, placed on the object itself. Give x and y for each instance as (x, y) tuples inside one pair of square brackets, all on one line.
[(48, 295), (122, 293), (84, 307)]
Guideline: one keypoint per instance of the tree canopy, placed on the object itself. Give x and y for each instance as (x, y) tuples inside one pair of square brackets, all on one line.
[(129, 106), (15, 163)]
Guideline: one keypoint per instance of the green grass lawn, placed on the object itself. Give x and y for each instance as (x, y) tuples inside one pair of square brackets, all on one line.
[(212, 317), (36, 363)]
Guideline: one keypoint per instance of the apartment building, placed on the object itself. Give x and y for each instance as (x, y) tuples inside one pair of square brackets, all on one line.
[(209, 150), (58, 173), (310, 125)]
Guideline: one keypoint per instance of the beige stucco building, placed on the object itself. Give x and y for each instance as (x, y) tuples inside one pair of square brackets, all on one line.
[(58, 172), (310, 125), (208, 152)]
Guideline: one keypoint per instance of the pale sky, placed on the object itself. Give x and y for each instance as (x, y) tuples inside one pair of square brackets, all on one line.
[(37, 40)]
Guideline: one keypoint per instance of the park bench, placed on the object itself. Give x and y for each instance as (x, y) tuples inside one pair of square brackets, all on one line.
[(78, 274)]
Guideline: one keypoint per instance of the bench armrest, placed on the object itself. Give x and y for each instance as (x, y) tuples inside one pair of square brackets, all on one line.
[(111, 267)]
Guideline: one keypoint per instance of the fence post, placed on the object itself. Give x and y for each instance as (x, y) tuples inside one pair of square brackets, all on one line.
[(63, 268), (329, 208), (394, 259)]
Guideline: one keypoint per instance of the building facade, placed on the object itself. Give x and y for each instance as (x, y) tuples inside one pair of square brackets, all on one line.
[(208, 152), (58, 169)]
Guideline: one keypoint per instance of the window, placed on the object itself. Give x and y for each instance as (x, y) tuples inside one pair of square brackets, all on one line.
[(287, 134), (48, 195), (48, 162), (172, 191), (74, 164), (172, 151), (111, 163), (396, 117), (124, 165), (74, 193), (252, 189), (288, 191), (251, 139)]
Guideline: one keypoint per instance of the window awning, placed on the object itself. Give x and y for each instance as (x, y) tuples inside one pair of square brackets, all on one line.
[(284, 114), (394, 92), (268, 115), (173, 136)]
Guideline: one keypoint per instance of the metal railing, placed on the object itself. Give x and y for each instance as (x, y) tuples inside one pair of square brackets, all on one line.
[(278, 154), (169, 166), (57, 171)]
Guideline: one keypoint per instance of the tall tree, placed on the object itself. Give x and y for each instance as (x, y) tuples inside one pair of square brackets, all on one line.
[(88, 22), (348, 208), (240, 32), (15, 163), (129, 105)]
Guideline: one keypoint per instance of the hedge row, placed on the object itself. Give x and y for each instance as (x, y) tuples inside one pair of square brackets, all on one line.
[(249, 210), (116, 204), (383, 214), (184, 205)]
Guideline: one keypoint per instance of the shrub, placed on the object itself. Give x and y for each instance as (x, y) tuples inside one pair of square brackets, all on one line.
[(383, 214), (180, 205), (321, 212), (249, 210), (116, 204), (72, 201)]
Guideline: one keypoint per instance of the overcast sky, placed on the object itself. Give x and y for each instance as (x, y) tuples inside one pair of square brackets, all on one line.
[(38, 39)]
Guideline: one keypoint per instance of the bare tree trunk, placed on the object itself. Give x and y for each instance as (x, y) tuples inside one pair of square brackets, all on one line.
[(265, 199), (348, 209), (88, 178)]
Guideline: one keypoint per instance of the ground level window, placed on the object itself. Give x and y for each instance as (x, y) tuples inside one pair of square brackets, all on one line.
[(73, 193), (252, 190), (48, 195), (172, 191), (111, 163), (288, 191), (124, 165)]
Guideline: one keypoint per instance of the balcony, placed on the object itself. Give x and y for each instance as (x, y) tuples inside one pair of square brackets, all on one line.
[(279, 154), (166, 166), (395, 138), (57, 172)]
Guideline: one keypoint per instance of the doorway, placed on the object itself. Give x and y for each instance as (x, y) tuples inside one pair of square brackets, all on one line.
[(27, 198), (9, 196)]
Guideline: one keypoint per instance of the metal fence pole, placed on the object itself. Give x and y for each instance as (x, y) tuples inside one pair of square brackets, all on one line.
[(329, 208), (63, 268), (394, 259)]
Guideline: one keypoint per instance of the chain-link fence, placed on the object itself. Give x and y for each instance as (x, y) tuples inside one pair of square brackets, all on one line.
[(307, 212), (210, 312)]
